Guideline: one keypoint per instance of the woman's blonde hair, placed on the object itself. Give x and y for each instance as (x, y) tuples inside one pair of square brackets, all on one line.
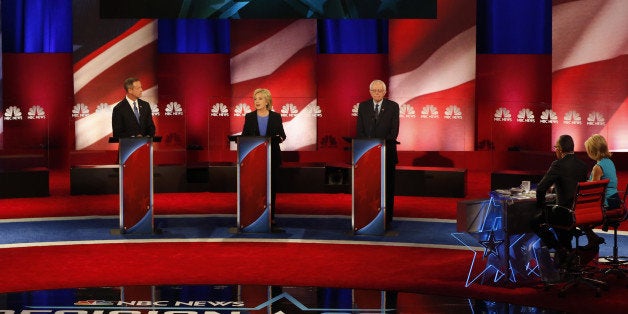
[(266, 93), (597, 148)]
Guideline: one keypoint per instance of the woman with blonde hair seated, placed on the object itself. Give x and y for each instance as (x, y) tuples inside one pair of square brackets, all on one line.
[(604, 168)]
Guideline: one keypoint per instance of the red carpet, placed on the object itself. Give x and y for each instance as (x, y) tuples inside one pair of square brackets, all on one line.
[(406, 269), (61, 204), (429, 271)]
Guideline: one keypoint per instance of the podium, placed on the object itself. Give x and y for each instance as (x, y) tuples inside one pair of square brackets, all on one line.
[(368, 186), (135, 155), (254, 175)]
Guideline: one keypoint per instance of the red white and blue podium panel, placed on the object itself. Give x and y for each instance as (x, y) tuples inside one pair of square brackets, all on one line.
[(136, 185), (368, 186), (254, 184)]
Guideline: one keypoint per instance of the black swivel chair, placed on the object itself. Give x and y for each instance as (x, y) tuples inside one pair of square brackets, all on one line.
[(613, 219), (587, 212)]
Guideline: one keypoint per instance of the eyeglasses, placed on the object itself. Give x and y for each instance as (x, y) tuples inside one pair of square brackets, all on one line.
[(378, 90), (556, 148)]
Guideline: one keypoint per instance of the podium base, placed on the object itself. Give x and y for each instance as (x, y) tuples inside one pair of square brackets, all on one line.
[(391, 233), (387, 233), (236, 230), (156, 231), (276, 229)]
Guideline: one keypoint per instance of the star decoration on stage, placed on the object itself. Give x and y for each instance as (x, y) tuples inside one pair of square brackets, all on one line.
[(491, 245)]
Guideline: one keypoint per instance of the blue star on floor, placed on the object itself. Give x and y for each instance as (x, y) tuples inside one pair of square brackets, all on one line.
[(491, 245)]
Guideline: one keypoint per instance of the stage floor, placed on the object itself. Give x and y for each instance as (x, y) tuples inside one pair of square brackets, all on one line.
[(210, 299)]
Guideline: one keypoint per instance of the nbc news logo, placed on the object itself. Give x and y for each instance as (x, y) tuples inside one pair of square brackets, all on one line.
[(314, 110), (354, 110), (154, 110), (525, 115), (429, 112), (173, 109), (219, 110), (13, 113), (36, 112), (80, 111), (289, 110), (453, 112), (241, 110), (548, 116), (407, 111), (596, 118), (572, 117), (502, 114)]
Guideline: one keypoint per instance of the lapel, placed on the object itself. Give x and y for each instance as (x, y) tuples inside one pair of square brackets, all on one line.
[(383, 108)]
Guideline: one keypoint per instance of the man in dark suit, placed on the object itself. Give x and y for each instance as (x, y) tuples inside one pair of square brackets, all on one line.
[(564, 174), (379, 118), (132, 117)]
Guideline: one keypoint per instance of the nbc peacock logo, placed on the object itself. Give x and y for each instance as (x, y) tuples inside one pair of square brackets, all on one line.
[(429, 112), (525, 115), (596, 118), (315, 110), (407, 111), (36, 112), (173, 109), (453, 112), (219, 110), (502, 115), (241, 110), (289, 110), (572, 117), (154, 110), (94, 303), (12, 113), (103, 107), (80, 111), (548, 116)]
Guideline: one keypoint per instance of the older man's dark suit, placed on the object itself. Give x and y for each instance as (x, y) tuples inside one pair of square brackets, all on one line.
[(275, 131), (125, 124), (564, 174), (383, 126)]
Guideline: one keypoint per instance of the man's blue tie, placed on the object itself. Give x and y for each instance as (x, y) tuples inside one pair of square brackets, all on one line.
[(137, 112)]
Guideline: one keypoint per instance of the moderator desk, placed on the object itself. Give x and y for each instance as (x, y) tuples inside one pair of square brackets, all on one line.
[(500, 225)]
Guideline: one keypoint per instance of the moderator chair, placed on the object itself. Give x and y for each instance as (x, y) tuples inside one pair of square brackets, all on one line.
[(587, 212), (613, 219)]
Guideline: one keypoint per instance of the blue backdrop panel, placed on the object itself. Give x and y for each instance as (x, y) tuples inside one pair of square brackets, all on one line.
[(514, 26), (193, 36), (353, 36), (33, 26)]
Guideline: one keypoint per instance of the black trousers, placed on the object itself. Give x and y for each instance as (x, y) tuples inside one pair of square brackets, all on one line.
[(390, 192), (557, 218), (274, 172)]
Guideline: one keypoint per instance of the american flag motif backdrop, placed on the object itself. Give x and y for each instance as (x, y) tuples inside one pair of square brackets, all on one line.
[(108, 56), (279, 55), (513, 76), (432, 77), (351, 53), (590, 71)]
